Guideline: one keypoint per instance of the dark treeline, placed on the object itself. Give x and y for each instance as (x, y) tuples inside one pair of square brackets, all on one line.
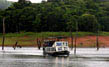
[(56, 16)]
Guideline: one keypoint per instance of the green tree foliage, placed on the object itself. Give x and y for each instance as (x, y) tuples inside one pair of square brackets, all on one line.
[(56, 16), (88, 23), (71, 24), (21, 1)]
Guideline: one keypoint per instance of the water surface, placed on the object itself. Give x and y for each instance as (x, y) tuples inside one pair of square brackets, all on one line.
[(32, 57)]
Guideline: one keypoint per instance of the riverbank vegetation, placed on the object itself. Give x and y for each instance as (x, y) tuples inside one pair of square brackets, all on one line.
[(61, 16), (30, 38), (52, 34)]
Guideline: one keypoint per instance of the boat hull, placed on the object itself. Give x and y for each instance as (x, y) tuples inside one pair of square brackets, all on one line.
[(59, 53)]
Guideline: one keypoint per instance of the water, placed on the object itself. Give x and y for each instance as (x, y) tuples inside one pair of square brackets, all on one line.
[(32, 57)]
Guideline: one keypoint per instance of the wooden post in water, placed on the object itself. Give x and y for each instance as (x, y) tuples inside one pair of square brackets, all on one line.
[(75, 46), (15, 45), (97, 40), (38, 43), (76, 37), (71, 40), (3, 33)]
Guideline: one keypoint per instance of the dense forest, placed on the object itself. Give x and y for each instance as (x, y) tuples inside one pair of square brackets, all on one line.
[(61, 15)]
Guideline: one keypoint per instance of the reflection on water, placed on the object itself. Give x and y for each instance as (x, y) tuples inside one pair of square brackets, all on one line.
[(34, 61), (82, 59), (61, 62)]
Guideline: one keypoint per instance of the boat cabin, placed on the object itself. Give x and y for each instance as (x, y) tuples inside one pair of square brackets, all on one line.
[(56, 48)]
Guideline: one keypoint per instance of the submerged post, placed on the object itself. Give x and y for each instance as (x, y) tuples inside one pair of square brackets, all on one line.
[(97, 40), (3, 33), (71, 40), (76, 37), (75, 46)]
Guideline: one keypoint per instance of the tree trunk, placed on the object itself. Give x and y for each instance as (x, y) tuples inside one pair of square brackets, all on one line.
[(76, 37), (97, 41), (71, 39), (3, 34)]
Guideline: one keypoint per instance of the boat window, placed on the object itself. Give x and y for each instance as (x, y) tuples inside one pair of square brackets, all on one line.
[(52, 49), (48, 49), (66, 44), (60, 48), (58, 44), (63, 43), (65, 48)]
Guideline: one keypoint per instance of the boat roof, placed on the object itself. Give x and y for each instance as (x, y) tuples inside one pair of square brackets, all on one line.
[(58, 37), (48, 43)]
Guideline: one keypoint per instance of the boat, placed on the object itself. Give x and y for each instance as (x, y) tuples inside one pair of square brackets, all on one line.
[(56, 48)]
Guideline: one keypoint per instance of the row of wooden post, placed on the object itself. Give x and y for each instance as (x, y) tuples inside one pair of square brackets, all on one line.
[(76, 35)]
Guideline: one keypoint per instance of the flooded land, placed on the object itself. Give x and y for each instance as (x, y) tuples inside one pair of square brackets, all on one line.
[(32, 57)]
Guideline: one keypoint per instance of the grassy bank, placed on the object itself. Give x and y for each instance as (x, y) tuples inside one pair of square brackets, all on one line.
[(48, 34), (29, 38)]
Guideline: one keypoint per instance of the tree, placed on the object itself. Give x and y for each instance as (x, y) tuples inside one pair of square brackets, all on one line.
[(88, 23), (56, 16), (22, 1), (72, 26)]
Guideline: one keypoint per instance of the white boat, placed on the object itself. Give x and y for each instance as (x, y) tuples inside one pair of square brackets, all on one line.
[(56, 48)]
